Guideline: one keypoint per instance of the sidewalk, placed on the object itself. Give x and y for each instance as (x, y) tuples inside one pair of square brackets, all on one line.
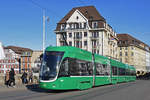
[(18, 87), (4, 88)]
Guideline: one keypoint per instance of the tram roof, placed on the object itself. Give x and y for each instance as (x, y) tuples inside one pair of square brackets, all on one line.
[(131, 67), (65, 48), (72, 52), (86, 55), (118, 64), (121, 65), (101, 59), (79, 53)]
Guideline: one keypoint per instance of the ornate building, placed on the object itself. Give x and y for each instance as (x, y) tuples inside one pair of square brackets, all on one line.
[(134, 52), (11, 60), (85, 28), (22, 55), (36, 60)]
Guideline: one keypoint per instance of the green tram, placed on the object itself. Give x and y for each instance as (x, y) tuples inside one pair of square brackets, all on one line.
[(66, 67)]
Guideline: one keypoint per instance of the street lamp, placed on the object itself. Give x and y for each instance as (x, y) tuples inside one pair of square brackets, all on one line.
[(43, 30)]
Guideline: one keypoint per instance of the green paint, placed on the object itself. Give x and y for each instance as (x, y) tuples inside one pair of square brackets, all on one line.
[(85, 82)]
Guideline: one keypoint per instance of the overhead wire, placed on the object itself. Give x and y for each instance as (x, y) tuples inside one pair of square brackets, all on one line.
[(54, 13), (85, 3), (42, 7), (47, 10), (82, 2)]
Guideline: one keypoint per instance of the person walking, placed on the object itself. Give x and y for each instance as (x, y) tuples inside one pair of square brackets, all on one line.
[(24, 78), (7, 78), (12, 77), (30, 77)]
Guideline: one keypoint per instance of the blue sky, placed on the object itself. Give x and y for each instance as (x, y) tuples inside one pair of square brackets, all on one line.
[(21, 20)]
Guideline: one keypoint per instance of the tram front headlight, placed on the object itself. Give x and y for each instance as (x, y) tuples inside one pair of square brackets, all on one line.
[(44, 85), (53, 85)]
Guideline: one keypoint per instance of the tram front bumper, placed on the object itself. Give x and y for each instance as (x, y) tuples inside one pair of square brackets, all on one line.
[(45, 85)]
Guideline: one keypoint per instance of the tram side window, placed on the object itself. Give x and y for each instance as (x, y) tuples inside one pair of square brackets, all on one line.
[(106, 69), (64, 68), (80, 67), (133, 73), (128, 72), (102, 69), (73, 67), (121, 71), (90, 68), (85, 68), (114, 70), (99, 69)]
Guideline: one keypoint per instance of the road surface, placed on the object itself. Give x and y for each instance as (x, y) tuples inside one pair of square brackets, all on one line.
[(138, 90)]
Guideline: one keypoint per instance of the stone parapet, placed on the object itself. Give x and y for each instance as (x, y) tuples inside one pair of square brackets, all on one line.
[(17, 79)]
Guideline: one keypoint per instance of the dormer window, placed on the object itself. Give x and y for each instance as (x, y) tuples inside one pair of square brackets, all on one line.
[(120, 42), (86, 12), (62, 26), (133, 41), (77, 17), (95, 24), (126, 42)]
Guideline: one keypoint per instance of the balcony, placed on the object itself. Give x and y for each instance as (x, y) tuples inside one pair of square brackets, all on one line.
[(69, 28), (110, 42), (77, 38), (94, 37), (94, 47)]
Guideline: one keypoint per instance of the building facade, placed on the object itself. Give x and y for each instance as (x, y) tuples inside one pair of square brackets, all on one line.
[(26, 60), (134, 52), (85, 28), (10, 61), (36, 60), (148, 59), (23, 56)]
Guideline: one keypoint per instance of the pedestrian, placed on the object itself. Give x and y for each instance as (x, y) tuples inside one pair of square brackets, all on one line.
[(30, 77), (12, 77), (24, 78), (7, 78)]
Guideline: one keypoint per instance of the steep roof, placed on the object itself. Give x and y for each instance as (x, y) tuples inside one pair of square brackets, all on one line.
[(90, 12), (18, 50), (124, 37), (129, 38)]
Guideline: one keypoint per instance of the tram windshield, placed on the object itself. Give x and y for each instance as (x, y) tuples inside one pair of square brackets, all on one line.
[(50, 64)]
